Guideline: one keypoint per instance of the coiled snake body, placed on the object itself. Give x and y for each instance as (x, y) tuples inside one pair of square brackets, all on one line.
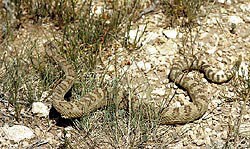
[(169, 115)]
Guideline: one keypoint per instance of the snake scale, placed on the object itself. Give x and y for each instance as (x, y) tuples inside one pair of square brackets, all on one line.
[(179, 115)]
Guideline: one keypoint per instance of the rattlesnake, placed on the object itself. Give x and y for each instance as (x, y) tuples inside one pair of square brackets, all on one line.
[(97, 98)]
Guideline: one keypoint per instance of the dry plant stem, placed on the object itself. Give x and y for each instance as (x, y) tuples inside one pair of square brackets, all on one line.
[(239, 120)]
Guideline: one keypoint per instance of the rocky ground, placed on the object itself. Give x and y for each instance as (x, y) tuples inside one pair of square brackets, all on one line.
[(222, 35)]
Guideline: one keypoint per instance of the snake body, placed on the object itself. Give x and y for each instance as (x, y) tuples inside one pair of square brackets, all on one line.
[(198, 95), (77, 108), (97, 98)]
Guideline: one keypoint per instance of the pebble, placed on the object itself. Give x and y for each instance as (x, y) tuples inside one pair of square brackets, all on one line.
[(220, 53), (151, 50), (176, 104), (159, 91), (170, 33), (168, 48), (98, 10), (216, 102), (235, 19), (228, 2), (17, 132), (44, 95), (247, 19), (40, 109), (211, 50), (231, 94), (134, 35), (211, 21), (144, 66), (151, 36), (199, 142), (247, 116), (220, 59), (208, 130), (245, 7), (111, 68), (221, 1)]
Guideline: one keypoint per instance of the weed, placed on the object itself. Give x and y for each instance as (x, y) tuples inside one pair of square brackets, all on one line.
[(182, 12), (18, 80), (242, 90)]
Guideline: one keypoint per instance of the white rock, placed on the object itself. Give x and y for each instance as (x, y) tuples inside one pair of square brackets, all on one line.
[(144, 66), (168, 48), (150, 37), (235, 19), (216, 102), (167, 70), (108, 77), (98, 10), (247, 116), (17, 132), (40, 109), (245, 7), (208, 130), (159, 91), (228, 2), (204, 35), (170, 33), (231, 95), (25, 144), (134, 35), (220, 59), (176, 104), (44, 95), (200, 142), (247, 19), (111, 68), (221, 1), (211, 50), (220, 53), (211, 21), (151, 50)]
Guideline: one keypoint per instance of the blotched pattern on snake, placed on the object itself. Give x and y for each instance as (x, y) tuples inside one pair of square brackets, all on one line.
[(169, 115)]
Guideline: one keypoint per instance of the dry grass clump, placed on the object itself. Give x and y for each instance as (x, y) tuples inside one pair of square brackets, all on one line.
[(182, 13)]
